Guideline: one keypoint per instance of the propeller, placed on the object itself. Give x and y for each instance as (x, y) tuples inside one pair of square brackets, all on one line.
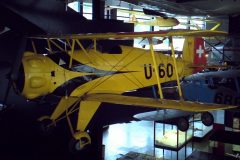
[(14, 69)]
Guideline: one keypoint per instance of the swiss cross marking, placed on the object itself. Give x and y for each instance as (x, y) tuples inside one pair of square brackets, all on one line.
[(200, 51)]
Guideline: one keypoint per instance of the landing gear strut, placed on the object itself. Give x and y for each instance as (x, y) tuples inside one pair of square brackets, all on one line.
[(46, 125)]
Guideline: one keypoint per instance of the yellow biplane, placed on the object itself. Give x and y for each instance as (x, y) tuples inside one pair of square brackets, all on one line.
[(86, 77)]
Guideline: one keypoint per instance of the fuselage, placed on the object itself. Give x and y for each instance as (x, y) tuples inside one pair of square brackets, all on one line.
[(221, 87), (96, 72)]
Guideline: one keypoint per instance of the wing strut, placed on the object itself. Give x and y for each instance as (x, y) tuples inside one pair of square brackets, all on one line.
[(84, 50), (33, 46), (175, 67), (155, 67), (71, 53), (55, 44), (49, 46)]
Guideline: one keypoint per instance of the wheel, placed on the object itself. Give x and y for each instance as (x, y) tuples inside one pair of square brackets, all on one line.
[(207, 119), (45, 126), (183, 124), (80, 142)]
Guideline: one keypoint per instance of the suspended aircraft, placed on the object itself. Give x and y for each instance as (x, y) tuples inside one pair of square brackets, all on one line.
[(220, 86), (84, 78), (156, 19), (215, 86), (193, 7)]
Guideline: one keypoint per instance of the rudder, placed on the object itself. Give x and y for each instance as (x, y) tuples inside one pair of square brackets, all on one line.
[(194, 53)]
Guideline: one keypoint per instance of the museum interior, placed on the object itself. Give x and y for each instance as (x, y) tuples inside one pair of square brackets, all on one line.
[(119, 79)]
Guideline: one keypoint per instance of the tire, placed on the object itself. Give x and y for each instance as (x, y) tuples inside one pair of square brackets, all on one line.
[(207, 119), (182, 124)]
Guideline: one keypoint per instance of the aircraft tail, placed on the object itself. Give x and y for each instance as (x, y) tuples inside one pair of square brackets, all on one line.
[(194, 53)]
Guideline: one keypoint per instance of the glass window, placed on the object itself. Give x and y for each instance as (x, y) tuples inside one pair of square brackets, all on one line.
[(87, 10), (74, 6), (124, 16)]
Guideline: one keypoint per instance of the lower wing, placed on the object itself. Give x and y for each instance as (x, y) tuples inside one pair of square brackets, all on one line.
[(155, 103)]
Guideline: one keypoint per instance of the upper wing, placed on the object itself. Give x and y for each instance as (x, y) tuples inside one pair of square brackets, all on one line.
[(155, 103), (124, 35)]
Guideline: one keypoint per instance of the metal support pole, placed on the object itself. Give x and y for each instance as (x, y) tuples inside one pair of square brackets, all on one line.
[(154, 138), (80, 7)]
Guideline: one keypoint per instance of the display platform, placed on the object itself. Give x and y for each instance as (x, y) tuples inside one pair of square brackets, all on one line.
[(170, 139), (138, 156)]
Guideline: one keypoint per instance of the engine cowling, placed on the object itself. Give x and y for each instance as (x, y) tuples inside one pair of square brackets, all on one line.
[(39, 76)]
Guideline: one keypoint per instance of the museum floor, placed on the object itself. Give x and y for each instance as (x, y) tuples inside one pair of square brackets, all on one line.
[(125, 141)]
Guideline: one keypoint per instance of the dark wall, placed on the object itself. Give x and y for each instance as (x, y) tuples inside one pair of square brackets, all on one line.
[(50, 16), (234, 25)]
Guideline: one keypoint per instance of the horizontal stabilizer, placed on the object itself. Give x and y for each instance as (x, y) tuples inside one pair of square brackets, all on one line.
[(155, 103)]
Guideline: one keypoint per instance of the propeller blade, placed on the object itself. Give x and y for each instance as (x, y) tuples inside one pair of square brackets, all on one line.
[(15, 67), (18, 58)]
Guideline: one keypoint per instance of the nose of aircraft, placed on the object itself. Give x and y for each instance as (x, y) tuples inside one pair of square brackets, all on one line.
[(34, 78)]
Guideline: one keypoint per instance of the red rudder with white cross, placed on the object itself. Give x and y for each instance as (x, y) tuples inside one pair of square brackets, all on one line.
[(199, 54), (194, 53)]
